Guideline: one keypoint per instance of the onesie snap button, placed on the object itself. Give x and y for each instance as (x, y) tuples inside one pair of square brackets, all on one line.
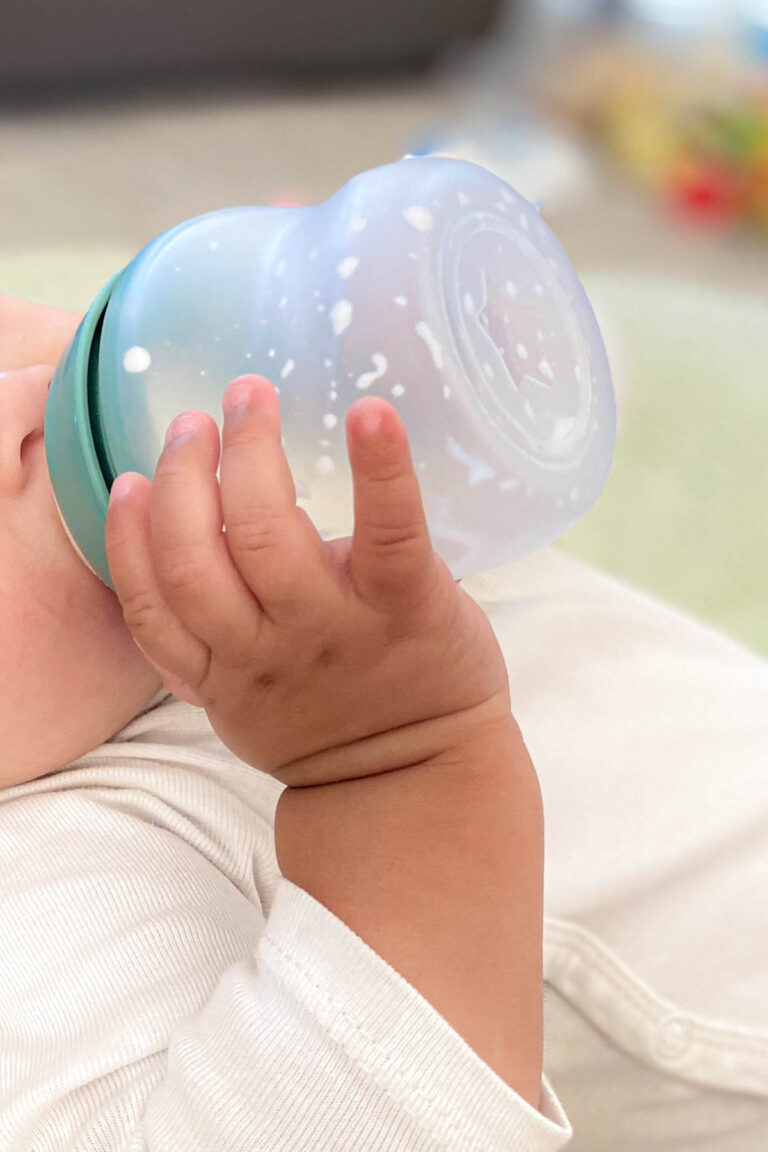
[(673, 1038)]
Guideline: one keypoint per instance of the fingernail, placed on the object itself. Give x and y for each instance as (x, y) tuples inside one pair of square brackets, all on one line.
[(370, 421), (237, 398), (122, 486), (183, 425)]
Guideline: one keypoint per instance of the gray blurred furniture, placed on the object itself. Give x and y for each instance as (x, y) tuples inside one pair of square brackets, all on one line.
[(47, 44)]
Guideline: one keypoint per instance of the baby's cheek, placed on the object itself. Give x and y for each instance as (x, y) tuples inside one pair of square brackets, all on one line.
[(32, 333)]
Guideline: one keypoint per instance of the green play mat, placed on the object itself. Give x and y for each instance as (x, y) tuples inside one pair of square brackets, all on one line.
[(684, 515)]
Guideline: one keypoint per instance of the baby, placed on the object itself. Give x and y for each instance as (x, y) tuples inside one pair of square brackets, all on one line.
[(71, 673), (271, 841), (355, 672)]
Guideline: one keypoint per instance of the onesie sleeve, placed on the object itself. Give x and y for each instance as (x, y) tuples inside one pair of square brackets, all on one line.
[(164, 989), (318, 1043)]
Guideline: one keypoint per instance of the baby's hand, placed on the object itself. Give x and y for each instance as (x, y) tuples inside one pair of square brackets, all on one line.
[(314, 661)]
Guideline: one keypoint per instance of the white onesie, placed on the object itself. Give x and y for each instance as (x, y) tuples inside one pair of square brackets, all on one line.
[(162, 987)]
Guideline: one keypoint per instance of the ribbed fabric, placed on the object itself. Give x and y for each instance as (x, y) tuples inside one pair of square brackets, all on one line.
[(164, 988)]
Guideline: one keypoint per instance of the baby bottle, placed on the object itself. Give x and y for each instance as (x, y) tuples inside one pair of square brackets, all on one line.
[(429, 282)]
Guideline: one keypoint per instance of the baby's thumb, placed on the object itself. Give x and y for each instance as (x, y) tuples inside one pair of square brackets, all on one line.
[(391, 552)]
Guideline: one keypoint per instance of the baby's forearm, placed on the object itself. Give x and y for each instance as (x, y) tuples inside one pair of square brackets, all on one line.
[(439, 868)]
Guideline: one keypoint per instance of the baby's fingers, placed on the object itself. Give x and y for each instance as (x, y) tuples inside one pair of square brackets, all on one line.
[(274, 544), (186, 564), (391, 553), (158, 632)]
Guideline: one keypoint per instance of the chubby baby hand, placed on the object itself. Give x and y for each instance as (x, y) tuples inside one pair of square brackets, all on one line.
[(314, 660)]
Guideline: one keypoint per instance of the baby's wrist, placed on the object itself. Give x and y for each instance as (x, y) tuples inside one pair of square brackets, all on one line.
[(456, 738)]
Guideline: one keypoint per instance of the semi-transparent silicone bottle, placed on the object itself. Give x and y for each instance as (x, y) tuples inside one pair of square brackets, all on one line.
[(429, 282)]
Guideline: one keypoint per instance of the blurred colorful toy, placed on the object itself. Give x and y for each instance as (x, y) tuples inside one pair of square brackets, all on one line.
[(690, 125)]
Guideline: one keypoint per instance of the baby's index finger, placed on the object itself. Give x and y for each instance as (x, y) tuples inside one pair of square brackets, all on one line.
[(391, 552)]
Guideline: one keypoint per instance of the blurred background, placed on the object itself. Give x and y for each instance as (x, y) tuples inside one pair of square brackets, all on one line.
[(639, 126)]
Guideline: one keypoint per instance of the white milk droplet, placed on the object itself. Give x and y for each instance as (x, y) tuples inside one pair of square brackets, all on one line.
[(358, 223), (313, 254), (324, 443), (280, 269), (177, 268), (508, 485), (511, 288), (464, 200), (469, 303), (347, 266), (288, 367), (401, 300), (341, 315), (563, 427), (398, 390), (539, 334), (546, 369), (479, 470), (524, 223), (507, 196), (324, 465), (213, 245), (419, 216), (380, 365), (522, 351), (271, 352), (500, 205), (577, 372), (283, 302), (334, 395), (329, 420), (574, 495), (488, 370), (431, 342), (136, 359), (528, 409), (248, 355), (446, 392), (328, 363), (539, 289)]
